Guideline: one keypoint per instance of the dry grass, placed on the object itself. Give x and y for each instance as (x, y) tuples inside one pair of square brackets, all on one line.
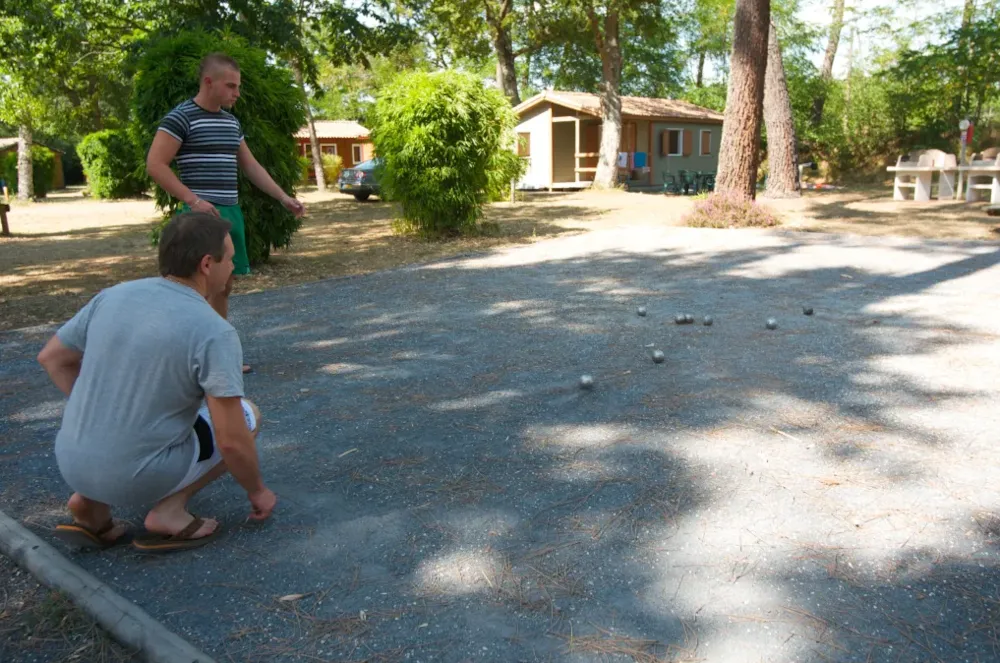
[(872, 211), (316, 637), (606, 644), (67, 248), (42, 625)]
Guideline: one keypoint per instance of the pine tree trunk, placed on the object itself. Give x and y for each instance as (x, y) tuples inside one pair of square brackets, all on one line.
[(701, 70), (317, 155), (25, 171), (847, 84), (964, 48), (826, 73), (526, 78), (611, 103), (740, 146), (782, 151)]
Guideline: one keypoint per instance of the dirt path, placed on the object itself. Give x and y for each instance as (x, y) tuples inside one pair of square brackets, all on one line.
[(67, 248), (821, 492)]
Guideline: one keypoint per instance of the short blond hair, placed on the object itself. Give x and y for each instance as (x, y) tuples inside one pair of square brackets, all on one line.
[(215, 61)]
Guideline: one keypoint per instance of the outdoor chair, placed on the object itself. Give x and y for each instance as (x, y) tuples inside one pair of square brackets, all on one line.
[(670, 184), (688, 182)]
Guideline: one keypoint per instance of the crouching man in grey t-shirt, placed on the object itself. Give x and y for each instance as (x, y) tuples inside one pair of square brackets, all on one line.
[(156, 409)]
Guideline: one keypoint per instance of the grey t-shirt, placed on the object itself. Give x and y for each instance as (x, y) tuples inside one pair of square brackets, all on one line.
[(152, 350)]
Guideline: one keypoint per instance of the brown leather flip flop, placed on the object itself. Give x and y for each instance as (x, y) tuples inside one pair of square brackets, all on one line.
[(82, 536), (162, 543)]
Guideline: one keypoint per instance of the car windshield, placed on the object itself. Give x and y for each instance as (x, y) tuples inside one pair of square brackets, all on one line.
[(367, 165)]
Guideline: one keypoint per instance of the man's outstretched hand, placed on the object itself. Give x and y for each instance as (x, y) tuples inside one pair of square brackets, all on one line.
[(263, 502), (293, 206)]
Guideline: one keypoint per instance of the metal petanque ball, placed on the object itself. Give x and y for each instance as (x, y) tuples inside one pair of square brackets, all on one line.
[(707, 321), (688, 318), (772, 323), (586, 382), (807, 310), (641, 311), (680, 319), (658, 357)]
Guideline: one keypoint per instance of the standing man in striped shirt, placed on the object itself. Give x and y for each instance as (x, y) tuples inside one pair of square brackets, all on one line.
[(207, 143)]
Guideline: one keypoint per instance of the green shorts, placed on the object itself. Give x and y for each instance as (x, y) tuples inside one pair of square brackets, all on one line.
[(233, 214)]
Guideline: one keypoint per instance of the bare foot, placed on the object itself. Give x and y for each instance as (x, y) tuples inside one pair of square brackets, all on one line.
[(170, 523), (94, 516)]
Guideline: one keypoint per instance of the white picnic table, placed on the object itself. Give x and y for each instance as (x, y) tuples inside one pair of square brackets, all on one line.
[(916, 171), (978, 171)]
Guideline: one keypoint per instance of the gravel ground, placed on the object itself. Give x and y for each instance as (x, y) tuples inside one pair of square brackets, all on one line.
[(820, 492)]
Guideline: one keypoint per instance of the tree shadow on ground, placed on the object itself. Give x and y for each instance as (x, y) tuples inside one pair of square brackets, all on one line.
[(880, 210), (448, 491), (46, 277)]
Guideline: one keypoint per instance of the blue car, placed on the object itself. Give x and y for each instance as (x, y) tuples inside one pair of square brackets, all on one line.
[(360, 181)]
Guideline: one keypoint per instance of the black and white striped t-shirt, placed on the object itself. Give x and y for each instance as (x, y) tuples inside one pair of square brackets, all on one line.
[(206, 160)]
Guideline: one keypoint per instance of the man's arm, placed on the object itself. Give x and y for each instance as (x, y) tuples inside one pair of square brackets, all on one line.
[(62, 363), (263, 181), (235, 442), (161, 153)]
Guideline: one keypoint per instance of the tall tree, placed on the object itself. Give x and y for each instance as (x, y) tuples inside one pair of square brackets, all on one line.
[(826, 72), (350, 92), (710, 25), (606, 31), (506, 30), (740, 146), (299, 32), (605, 20), (782, 149), (499, 17), (652, 58), (964, 46)]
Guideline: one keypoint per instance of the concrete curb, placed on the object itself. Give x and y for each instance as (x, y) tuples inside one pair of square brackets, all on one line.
[(128, 623)]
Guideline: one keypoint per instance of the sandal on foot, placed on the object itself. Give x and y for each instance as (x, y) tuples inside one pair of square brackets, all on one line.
[(247, 368), (82, 536), (157, 543)]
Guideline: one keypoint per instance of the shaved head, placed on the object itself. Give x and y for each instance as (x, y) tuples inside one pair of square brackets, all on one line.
[(214, 63), (218, 82)]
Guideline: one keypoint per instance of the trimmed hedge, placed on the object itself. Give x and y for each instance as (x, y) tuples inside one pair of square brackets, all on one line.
[(43, 166), (447, 147), (111, 165), (270, 109)]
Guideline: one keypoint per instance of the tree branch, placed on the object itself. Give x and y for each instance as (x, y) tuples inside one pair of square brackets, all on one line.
[(595, 25)]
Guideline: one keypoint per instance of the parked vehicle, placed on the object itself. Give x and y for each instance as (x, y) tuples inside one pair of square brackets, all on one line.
[(360, 181)]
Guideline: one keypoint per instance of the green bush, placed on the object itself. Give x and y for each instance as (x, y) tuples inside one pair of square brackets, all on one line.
[(446, 144), (720, 210), (332, 165), (43, 166), (270, 109), (111, 165)]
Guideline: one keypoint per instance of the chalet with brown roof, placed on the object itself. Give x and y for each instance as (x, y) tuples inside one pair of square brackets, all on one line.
[(9, 145), (559, 134), (346, 138)]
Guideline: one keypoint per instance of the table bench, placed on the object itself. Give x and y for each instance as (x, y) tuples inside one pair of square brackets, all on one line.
[(981, 176), (916, 171)]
